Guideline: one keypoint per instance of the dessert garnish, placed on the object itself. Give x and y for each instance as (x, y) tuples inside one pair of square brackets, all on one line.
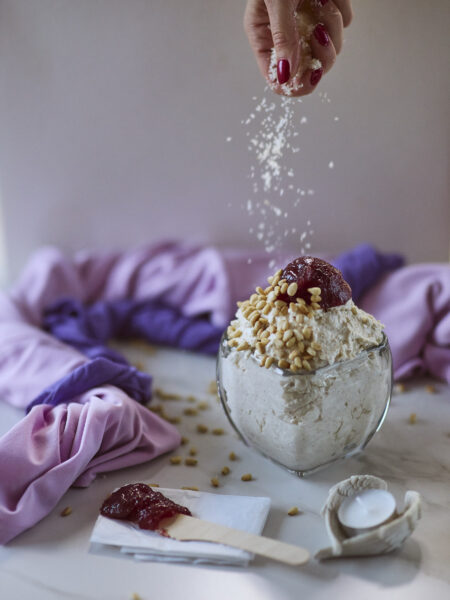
[(309, 272), (281, 323), (140, 504)]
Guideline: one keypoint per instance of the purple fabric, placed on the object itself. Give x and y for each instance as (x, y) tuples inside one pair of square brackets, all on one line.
[(53, 448), (363, 266), (414, 305), (88, 327), (96, 372)]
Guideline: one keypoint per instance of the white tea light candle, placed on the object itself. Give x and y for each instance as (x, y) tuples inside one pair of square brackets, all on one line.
[(366, 510)]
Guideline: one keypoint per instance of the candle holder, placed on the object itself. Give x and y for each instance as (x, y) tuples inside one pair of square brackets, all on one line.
[(384, 538)]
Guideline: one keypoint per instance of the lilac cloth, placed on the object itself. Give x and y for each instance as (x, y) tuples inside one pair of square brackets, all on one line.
[(53, 448), (363, 266), (99, 371), (414, 304)]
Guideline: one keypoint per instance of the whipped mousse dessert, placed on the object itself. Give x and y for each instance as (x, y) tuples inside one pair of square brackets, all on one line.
[(304, 374)]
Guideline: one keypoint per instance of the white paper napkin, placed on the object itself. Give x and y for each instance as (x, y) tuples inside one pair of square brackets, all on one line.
[(247, 513)]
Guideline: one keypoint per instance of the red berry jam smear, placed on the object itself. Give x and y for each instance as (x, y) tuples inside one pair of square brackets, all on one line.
[(140, 504), (308, 272)]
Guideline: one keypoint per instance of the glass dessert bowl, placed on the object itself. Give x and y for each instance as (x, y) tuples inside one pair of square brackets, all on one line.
[(317, 385)]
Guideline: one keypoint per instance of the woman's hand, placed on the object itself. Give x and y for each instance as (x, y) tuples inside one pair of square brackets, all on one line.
[(272, 24)]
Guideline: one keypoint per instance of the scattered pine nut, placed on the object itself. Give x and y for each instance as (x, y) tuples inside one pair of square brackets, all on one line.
[(153, 485), (190, 462), (136, 597), (166, 395), (225, 470), (430, 388), (218, 431), (214, 482), (193, 451), (412, 418), (184, 440), (190, 412), (175, 460), (247, 477), (202, 428), (399, 388), (191, 399), (66, 511), (173, 420), (158, 408), (190, 487), (202, 406), (293, 511), (232, 456), (212, 389)]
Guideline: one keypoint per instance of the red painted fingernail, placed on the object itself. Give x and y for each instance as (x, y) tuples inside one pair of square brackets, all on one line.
[(283, 71), (316, 76), (321, 35)]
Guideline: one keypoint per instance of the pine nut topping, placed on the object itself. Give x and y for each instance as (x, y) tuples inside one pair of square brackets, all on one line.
[(66, 511), (247, 477), (292, 289), (315, 291), (287, 334), (225, 470), (232, 456), (190, 462), (293, 511), (269, 361), (214, 482)]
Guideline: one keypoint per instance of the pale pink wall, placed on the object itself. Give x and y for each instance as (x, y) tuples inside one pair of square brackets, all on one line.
[(114, 115)]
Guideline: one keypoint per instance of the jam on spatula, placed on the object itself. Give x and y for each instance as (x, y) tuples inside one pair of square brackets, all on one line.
[(140, 504), (310, 272)]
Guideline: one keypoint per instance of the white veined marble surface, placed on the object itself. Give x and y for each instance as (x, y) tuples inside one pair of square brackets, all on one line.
[(52, 561)]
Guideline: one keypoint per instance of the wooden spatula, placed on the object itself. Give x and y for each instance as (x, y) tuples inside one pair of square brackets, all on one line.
[(187, 528)]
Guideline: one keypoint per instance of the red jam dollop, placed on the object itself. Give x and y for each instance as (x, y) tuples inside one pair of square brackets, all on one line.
[(308, 272), (140, 504)]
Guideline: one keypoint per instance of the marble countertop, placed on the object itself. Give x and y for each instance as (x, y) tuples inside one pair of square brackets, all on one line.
[(52, 560)]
